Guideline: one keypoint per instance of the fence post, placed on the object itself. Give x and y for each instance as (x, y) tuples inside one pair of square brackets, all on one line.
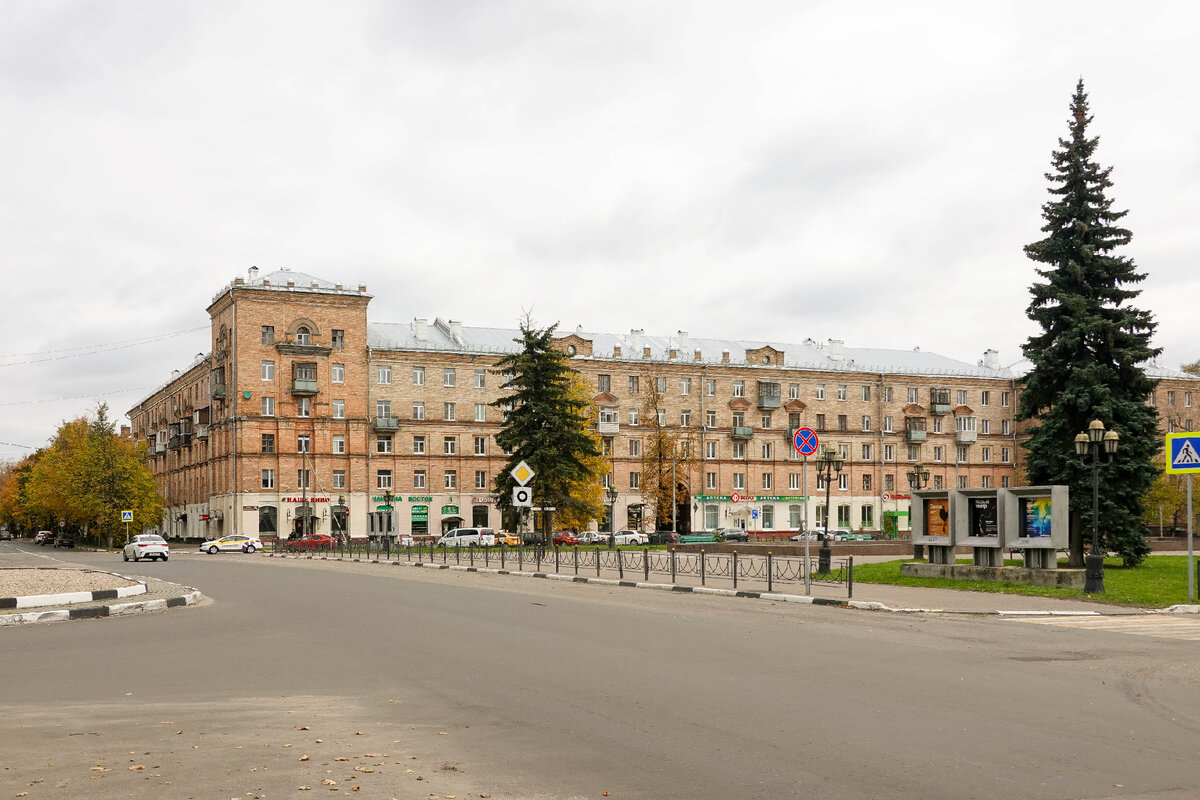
[(597, 562), (471, 560), (620, 565), (576, 560), (701, 567), (538, 558), (556, 561), (672, 565), (646, 562), (521, 558), (735, 569), (770, 572), (850, 580)]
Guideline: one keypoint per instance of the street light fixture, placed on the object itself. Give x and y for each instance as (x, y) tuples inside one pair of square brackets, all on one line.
[(1089, 446), (918, 478), (828, 462)]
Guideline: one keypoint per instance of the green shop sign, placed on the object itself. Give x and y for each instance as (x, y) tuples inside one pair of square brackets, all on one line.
[(420, 499), (420, 513), (449, 510)]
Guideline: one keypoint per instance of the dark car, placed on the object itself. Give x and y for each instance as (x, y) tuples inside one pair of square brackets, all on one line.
[(733, 535), (5, 536), (64, 540), (664, 537)]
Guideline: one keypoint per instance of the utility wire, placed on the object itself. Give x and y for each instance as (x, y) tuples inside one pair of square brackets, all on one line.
[(93, 349)]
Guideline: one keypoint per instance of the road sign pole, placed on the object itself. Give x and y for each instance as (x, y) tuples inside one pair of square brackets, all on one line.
[(804, 532), (1191, 570)]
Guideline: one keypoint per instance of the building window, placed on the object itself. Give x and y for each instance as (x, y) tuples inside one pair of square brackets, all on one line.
[(418, 376), (383, 444), (962, 453), (481, 445), (480, 480), (268, 406), (1004, 427), (635, 480), (914, 452), (339, 409), (685, 418), (842, 391), (450, 480), (339, 444), (603, 383), (985, 455), (303, 406), (866, 393), (1005, 455), (710, 480), (889, 452), (866, 481), (710, 450), (820, 422), (710, 387), (418, 445), (481, 412), (820, 391), (383, 408), (768, 516), (937, 452), (937, 482), (267, 370), (635, 447), (1004, 396), (303, 479), (867, 515), (418, 410), (766, 480), (843, 481), (985, 426), (383, 374), (338, 373), (866, 422), (303, 336), (419, 479), (383, 479), (480, 378), (1004, 481), (739, 450), (685, 386), (843, 423), (765, 419), (268, 334), (1187, 400), (633, 416), (889, 483), (985, 398), (710, 419), (739, 481), (635, 385), (304, 443), (887, 394), (449, 445), (268, 479), (739, 388), (449, 376), (448, 412), (866, 452), (843, 516), (339, 479), (986, 481), (793, 480), (912, 395), (937, 424)]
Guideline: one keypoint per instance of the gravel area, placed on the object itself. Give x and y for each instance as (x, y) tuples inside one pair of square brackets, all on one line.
[(19, 582)]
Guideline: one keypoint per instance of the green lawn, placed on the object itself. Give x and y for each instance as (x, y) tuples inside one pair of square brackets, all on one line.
[(1159, 582)]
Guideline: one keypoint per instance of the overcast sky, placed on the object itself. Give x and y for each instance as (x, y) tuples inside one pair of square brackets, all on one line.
[(865, 171)]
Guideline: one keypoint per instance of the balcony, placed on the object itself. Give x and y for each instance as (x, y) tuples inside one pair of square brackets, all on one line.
[(387, 423), (609, 428), (965, 437), (201, 430), (741, 432), (914, 435), (218, 391), (158, 448), (939, 401), (174, 442), (304, 386)]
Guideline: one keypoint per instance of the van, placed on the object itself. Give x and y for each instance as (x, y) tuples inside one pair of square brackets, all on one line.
[(466, 537)]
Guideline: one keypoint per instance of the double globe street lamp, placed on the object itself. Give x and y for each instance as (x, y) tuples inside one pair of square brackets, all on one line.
[(918, 478), (828, 462), (1089, 446)]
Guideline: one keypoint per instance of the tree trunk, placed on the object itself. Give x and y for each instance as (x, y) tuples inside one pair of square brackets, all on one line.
[(1075, 553)]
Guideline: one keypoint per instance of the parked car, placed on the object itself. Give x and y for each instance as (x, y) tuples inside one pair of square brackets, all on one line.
[(44, 537), (565, 539), (733, 535), (664, 537), (507, 539), (630, 537), (5, 536), (234, 543), (466, 537), (593, 537), (531, 538), (64, 540), (146, 545), (310, 541), (813, 535)]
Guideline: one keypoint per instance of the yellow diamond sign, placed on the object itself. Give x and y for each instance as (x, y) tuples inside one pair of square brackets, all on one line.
[(522, 473)]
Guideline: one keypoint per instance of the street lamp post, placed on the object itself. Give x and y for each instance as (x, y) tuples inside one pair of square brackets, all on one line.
[(828, 462), (918, 478), (1089, 447)]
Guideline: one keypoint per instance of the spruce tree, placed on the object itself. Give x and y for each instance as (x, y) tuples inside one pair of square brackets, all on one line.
[(1087, 358), (546, 423)]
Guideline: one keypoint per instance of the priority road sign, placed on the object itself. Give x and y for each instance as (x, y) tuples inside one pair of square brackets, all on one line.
[(1183, 453), (805, 441), (522, 473)]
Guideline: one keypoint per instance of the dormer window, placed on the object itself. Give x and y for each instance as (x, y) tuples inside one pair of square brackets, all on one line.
[(303, 336)]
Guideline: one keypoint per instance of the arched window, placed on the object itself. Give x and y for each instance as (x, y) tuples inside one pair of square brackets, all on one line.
[(303, 336)]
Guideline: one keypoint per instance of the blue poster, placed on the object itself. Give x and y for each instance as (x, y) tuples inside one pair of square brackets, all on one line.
[(1035, 517)]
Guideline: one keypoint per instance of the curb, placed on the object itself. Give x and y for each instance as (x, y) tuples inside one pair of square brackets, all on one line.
[(859, 605), (72, 598), (190, 597)]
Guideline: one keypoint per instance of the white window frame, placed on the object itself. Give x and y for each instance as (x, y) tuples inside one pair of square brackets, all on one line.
[(383, 374), (267, 370), (337, 373)]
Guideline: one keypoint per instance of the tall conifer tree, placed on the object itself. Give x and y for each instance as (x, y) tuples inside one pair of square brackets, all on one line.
[(1087, 359)]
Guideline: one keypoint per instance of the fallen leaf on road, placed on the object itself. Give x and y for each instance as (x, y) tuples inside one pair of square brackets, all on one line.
[(304, 788), (304, 758), (328, 782), (303, 727), (137, 767)]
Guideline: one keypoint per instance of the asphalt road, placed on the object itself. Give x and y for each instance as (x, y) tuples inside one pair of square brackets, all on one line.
[(413, 683)]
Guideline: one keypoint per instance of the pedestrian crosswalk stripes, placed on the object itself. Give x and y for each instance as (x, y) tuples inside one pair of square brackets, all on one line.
[(1162, 626)]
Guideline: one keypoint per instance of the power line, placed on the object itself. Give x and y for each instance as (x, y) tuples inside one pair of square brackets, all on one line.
[(94, 395), (94, 349)]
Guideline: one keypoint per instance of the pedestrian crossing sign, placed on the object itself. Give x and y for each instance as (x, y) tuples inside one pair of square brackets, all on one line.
[(1183, 452)]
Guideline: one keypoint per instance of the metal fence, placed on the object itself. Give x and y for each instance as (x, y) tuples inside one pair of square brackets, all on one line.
[(742, 571)]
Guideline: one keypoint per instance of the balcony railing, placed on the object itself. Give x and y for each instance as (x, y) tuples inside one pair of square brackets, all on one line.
[(218, 391), (201, 430), (609, 428), (387, 423), (768, 401), (741, 432), (914, 435), (304, 386), (965, 437)]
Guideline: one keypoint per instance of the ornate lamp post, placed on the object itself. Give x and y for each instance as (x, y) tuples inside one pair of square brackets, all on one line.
[(918, 478), (828, 461), (1089, 446), (611, 494)]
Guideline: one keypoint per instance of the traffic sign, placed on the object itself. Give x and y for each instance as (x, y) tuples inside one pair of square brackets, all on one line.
[(1183, 452), (754, 514), (522, 497), (522, 473), (805, 441), (126, 516)]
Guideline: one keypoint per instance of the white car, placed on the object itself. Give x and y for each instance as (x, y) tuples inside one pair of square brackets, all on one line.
[(630, 537), (466, 537), (146, 545), (814, 535), (234, 543)]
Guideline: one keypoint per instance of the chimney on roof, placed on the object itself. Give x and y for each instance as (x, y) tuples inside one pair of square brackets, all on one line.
[(682, 342), (616, 351), (991, 359), (456, 330), (696, 356), (253, 272), (362, 288), (421, 329), (837, 349), (724, 356), (635, 338)]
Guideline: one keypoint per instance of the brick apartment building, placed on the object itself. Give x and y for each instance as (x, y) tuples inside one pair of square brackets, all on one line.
[(305, 414)]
